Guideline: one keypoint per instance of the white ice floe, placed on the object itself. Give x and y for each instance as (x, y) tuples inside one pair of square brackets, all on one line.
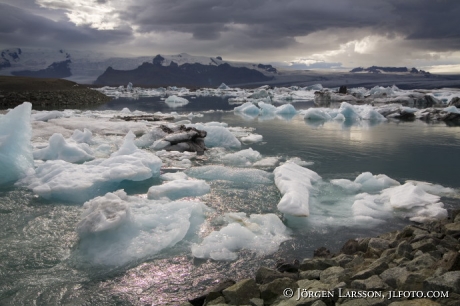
[(116, 229), (175, 101), (83, 137), (252, 138), (238, 175), (80, 182), (261, 234), (300, 162), (366, 182), (46, 115), (58, 148), (171, 176), (295, 184), (177, 189), (267, 162), (104, 213), (16, 159), (243, 158)]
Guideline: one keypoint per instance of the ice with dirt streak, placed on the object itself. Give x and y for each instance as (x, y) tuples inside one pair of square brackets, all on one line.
[(296, 185), (61, 180), (217, 136), (16, 158), (116, 229), (259, 233)]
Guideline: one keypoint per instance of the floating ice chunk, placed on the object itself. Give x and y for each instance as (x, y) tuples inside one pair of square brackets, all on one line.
[(260, 94), (80, 182), (247, 108), (58, 148), (239, 175), (452, 109), (177, 189), (125, 110), (174, 176), (160, 144), (378, 182), (152, 226), (409, 196), (300, 162), (433, 188), (223, 86), (286, 109), (46, 115), (104, 213), (348, 111), (317, 114), (266, 162), (217, 136), (347, 185), (150, 137), (369, 206), (266, 108), (128, 146), (261, 234), (366, 182), (175, 101), (367, 112), (252, 138), (243, 158), (16, 159), (82, 137), (339, 117), (295, 184)]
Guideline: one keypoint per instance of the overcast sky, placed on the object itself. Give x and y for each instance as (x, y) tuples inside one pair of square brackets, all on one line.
[(301, 33)]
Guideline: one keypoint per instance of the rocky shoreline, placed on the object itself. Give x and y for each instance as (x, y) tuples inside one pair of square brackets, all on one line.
[(419, 265), (44, 93)]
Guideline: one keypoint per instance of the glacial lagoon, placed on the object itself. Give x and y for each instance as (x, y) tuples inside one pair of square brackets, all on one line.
[(45, 261)]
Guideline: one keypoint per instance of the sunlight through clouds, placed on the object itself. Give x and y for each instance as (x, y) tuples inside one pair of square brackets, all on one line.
[(97, 14)]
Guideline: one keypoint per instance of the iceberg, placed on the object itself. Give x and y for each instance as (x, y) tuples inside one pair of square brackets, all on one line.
[(295, 184), (16, 158), (175, 101), (261, 234), (177, 189)]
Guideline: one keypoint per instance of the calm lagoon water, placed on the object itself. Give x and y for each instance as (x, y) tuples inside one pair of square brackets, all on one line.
[(40, 260)]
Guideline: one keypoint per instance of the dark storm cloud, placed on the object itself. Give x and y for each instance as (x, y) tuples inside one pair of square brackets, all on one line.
[(18, 27), (273, 20)]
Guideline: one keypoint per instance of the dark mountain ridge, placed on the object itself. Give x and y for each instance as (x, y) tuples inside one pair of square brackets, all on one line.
[(191, 75)]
